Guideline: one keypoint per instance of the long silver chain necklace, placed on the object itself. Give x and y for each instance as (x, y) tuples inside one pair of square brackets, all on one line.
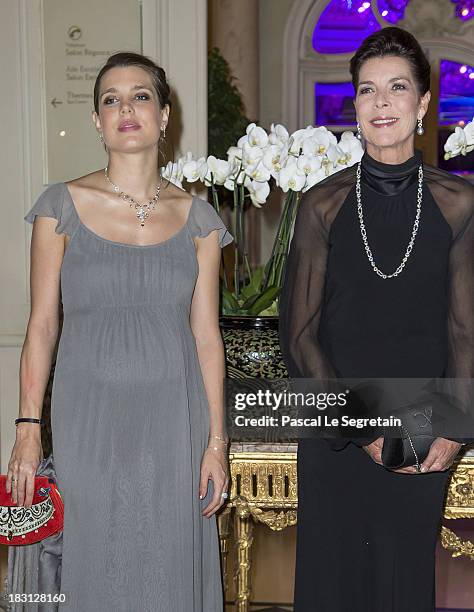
[(142, 210), (413, 233)]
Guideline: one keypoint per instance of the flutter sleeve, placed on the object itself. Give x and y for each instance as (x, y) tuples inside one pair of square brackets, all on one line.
[(302, 292), (203, 219), (55, 202)]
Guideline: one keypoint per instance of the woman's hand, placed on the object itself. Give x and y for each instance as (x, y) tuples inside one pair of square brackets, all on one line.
[(26, 456), (214, 466), (441, 456), (374, 450)]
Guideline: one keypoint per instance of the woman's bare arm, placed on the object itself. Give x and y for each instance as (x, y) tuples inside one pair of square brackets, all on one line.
[(205, 326), (46, 255)]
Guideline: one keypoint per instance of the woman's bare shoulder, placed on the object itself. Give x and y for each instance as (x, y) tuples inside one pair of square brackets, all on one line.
[(91, 180), (176, 199)]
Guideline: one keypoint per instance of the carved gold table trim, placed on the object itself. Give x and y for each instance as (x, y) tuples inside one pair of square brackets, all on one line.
[(264, 488)]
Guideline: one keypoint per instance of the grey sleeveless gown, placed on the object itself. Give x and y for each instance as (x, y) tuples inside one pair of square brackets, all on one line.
[(129, 417)]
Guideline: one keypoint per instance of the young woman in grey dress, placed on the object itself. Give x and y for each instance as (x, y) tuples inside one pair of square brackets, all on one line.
[(139, 439)]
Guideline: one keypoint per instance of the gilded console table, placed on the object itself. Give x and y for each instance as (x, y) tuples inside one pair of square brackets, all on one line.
[(264, 488)]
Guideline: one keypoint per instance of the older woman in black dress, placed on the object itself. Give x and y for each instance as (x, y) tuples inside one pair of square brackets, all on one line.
[(366, 534)]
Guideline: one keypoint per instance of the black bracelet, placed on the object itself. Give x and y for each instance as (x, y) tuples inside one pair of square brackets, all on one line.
[(28, 420)]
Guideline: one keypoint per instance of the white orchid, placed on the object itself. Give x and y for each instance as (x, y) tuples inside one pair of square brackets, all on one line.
[(460, 142), (274, 158), (236, 177), (319, 142), (218, 170), (456, 143), (251, 155), (258, 192), (172, 172), (258, 172), (336, 156), (234, 154), (297, 138), (469, 133), (278, 135), (291, 177), (195, 170), (230, 183), (257, 136), (352, 148), (314, 178), (308, 163)]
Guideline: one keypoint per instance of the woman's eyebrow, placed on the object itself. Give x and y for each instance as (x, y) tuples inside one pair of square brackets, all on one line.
[(135, 87), (397, 78)]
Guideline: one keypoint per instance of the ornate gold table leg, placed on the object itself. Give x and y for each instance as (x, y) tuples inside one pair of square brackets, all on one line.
[(455, 545), (243, 534), (224, 526)]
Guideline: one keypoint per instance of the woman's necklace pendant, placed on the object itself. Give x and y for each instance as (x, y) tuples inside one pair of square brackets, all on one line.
[(142, 210)]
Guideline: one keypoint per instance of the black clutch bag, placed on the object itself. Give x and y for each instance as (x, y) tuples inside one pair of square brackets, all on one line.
[(413, 439)]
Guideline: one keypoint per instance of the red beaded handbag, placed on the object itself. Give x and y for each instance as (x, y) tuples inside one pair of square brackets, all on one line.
[(45, 516)]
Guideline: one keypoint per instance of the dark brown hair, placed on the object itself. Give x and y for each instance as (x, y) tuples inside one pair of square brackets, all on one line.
[(127, 58), (398, 42)]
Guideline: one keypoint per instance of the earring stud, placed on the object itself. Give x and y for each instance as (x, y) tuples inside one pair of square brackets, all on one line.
[(420, 130)]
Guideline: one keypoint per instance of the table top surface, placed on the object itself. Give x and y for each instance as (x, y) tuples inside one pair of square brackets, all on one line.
[(289, 447)]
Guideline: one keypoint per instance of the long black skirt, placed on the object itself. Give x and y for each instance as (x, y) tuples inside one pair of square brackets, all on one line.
[(366, 536)]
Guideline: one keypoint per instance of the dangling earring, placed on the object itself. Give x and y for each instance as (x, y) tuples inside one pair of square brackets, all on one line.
[(101, 138), (420, 130), (359, 132), (163, 136)]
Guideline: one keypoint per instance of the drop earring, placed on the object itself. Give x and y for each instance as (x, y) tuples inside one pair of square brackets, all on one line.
[(359, 132), (164, 133), (102, 141), (420, 130)]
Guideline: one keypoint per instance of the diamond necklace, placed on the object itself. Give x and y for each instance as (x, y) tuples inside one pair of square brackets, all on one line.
[(142, 210), (413, 233)]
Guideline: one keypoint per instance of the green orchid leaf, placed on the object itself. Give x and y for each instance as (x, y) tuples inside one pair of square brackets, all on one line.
[(253, 288), (250, 302), (264, 301), (229, 303)]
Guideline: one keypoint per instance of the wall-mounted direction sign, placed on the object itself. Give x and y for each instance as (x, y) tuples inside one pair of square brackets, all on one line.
[(78, 37)]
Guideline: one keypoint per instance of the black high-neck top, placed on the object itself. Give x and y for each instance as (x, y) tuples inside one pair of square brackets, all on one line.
[(393, 327), (390, 179)]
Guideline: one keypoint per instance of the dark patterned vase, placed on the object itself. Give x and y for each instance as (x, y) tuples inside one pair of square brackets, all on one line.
[(252, 347)]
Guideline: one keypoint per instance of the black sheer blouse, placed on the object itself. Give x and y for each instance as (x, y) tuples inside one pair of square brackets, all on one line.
[(338, 318)]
